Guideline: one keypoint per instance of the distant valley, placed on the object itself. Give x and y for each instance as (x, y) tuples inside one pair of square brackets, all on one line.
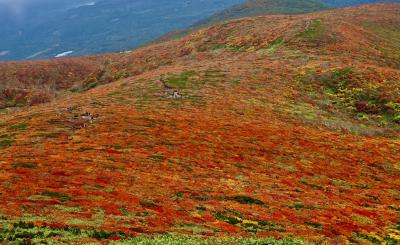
[(43, 29)]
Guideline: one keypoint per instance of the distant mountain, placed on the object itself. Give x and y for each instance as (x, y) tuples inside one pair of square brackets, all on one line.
[(342, 3), (268, 7), (261, 7), (45, 28), (252, 8)]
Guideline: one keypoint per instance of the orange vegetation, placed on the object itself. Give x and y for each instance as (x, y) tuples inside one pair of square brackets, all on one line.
[(247, 149)]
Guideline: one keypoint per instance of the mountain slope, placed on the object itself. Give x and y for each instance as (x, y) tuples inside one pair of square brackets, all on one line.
[(267, 7), (342, 3), (251, 8), (262, 7), (280, 126)]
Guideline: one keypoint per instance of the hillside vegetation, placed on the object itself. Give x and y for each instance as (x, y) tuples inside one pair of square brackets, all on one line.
[(30, 83), (262, 7), (252, 8), (269, 126), (341, 3)]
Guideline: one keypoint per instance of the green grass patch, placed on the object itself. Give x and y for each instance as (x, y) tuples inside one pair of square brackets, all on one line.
[(396, 209), (117, 147), (201, 208), (361, 237), (277, 42), (26, 233), (180, 81), (61, 196), (179, 194), (365, 100), (337, 80), (21, 126), (157, 158), (217, 47), (272, 46), (82, 149), (235, 218), (246, 200), (301, 206), (314, 31), (113, 168), (175, 239), (6, 143), (114, 93), (89, 84), (148, 204), (226, 218), (312, 185), (74, 209), (24, 165), (46, 135), (315, 225)]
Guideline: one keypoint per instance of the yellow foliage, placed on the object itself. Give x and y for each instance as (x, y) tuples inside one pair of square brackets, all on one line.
[(196, 215), (251, 49), (394, 234), (374, 235), (246, 221)]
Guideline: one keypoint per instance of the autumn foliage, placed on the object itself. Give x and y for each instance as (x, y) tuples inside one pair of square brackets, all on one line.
[(263, 141)]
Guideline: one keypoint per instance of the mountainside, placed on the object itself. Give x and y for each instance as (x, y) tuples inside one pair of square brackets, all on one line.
[(251, 8), (282, 126), (47, 28), (341, 3), (268, 7), (262, 7)]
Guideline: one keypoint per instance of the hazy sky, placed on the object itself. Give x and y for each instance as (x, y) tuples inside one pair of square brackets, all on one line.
[(20, 7), (16, 7)]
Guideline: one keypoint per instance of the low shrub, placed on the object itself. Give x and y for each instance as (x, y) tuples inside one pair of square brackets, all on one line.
[(359, 94)]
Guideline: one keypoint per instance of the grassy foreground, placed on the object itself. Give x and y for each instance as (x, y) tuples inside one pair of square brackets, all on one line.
[(170, 239), (25, 233)]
